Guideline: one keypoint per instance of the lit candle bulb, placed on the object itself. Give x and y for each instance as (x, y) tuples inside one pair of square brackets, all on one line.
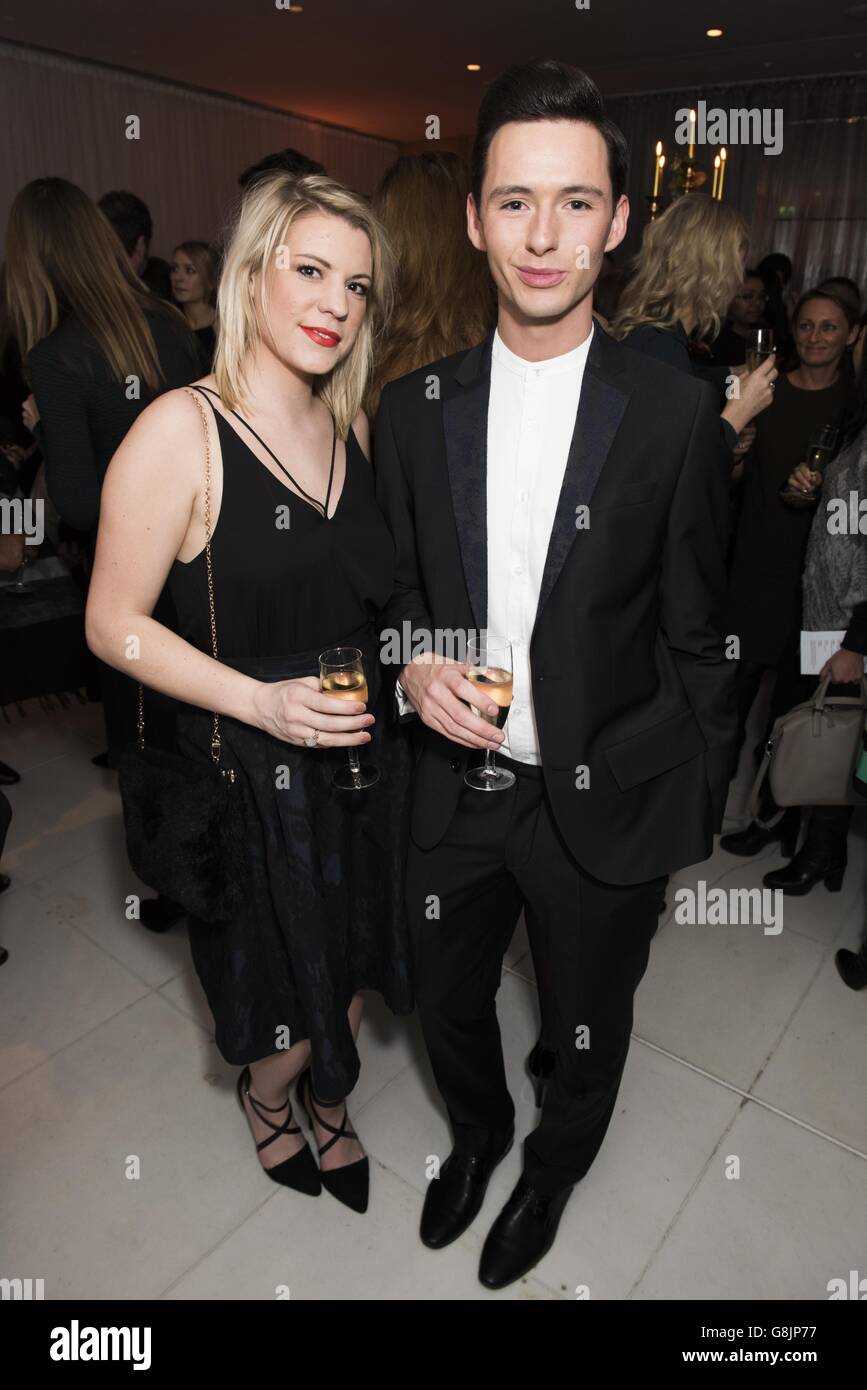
[(691, 151), (716, 165), (722, 172), (659, 155)]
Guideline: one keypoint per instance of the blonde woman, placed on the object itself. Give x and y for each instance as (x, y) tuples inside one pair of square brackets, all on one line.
[(689, 268), (302, 560)]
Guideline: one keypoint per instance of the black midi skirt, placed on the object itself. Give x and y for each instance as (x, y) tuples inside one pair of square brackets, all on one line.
[(323, 913)]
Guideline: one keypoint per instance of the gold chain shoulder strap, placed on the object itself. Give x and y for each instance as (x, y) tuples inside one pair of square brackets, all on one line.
[(216, 741), (216, 738)]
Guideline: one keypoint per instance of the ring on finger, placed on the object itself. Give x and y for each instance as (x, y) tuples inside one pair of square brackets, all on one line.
[(312, 740)]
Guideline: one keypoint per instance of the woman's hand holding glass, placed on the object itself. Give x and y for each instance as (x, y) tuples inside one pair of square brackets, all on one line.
[(292, 710), (804, 479)]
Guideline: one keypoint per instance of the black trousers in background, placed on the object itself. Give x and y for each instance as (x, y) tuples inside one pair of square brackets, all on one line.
[(502, 850), (787, 691), (5, 818)]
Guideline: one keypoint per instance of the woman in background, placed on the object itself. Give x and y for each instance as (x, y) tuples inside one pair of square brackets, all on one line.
[(764, 601), (194, 275), (746, 313), (834, 591), (689, 268), (444, 296), (98, 348)]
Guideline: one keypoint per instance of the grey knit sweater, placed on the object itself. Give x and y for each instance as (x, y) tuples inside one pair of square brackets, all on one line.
[(835, 573)]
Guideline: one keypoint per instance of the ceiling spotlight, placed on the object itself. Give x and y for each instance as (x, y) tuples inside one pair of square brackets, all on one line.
[(474, 67), (714, 33)]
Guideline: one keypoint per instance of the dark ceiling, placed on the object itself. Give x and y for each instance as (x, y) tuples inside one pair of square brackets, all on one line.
[(382, 66)]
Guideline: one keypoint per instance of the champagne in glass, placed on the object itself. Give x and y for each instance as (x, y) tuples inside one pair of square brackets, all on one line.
[(760, 346), (341, 675), (820, 449), (490, 668)]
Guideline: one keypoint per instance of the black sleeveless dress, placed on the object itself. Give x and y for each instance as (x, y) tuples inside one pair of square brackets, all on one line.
[(324, 915)]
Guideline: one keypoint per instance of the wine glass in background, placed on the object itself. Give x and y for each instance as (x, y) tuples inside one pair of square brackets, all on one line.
[(341, 674), (760, 345), (820, 449), (490, 668), (19, 588)]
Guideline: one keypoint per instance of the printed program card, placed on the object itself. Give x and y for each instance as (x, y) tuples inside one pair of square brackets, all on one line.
[(816, 648)]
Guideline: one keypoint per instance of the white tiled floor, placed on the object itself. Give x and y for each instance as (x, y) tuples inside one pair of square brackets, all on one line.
[(746, 1046)]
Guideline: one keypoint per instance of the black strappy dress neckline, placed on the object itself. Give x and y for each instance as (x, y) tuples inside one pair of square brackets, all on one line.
[(314, 502)]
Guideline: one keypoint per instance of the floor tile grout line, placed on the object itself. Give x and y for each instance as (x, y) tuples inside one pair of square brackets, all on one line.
[(73, 1042), (275, 1196), (268, 1197), (747, 1095), (100, 946), (820, 966), (44, 762), (694, 1186), (720, 1081)]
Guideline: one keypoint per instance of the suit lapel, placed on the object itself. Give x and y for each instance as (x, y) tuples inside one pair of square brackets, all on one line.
[(465, 425), (603, 400)]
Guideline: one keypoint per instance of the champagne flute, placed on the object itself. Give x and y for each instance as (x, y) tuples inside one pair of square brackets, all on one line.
[(20, 588), (490, 668), (822, 443), (341, 674), (760, 345)]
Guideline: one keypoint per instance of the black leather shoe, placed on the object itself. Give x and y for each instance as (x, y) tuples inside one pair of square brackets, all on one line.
[(540, 1065), (852, 967), (806, 870), (454, 1199), (8, 775), (523, 1232), (749, 841), (159, 914)]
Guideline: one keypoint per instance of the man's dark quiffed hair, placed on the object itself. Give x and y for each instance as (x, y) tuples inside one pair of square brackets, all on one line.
[(284, 162), (129, 216), (545, 90)]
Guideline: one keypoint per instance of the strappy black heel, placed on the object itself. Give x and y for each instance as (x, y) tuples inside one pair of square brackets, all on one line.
[(351, 1183), (300, 1171)]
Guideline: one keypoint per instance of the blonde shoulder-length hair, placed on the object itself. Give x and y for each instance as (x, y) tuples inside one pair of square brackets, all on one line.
[(691, 260), (266, 213)]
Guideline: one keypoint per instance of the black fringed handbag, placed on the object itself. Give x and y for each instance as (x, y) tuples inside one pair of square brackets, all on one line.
[(184, 820)]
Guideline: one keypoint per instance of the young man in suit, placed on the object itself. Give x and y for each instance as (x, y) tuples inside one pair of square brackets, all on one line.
[(554, 487)]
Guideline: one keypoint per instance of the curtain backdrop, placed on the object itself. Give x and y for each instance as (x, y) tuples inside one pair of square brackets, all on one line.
[(810, 200), (62, 116), (59, 116)]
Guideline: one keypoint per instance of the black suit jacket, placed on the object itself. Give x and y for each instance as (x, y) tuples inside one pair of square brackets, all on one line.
[(629, 674)]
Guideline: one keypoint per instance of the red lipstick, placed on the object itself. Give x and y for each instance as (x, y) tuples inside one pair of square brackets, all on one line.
[(323, 336)]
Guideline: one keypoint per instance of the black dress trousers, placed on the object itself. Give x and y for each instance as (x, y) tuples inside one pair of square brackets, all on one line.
[(503, 850)]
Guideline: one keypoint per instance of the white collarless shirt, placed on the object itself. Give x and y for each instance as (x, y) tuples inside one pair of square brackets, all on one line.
[(531, 420)]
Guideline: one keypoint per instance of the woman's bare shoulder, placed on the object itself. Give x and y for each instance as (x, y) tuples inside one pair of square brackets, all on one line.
[(170, 426)]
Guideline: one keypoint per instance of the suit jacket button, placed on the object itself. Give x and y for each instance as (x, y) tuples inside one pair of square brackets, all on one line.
[(456, 766)]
